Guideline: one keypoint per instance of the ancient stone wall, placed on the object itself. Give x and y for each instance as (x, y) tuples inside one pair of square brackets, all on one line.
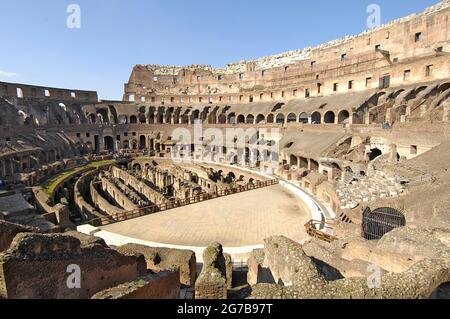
[(350, 64), (163, 285), (50, 257), (212, 281), (103, 204), (300, 277), (160, 259), (8, 231)]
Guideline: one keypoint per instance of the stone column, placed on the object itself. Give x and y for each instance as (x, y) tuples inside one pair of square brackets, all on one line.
[(423, 110), (367, 118), (388, 116), (446, 114)]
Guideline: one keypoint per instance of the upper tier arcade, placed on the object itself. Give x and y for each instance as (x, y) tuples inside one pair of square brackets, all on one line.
[(406, 51)]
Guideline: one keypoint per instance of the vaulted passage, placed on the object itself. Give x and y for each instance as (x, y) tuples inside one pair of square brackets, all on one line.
[(109, 143)]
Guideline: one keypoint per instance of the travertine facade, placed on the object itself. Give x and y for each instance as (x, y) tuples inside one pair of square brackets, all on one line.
[(358, 126)]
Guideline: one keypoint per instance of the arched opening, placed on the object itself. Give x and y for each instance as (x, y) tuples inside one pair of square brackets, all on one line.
[(133, 119), (222, 119), (316, 118), (270, 118), (195, 115), (250, 119), (444, 87), (381, 221), (260, 119), (314, 165), (92, 118), (343, 117), (329, 117), (137, 168), (142, 143), (126, 144), (231, 118), (241, 119), (109, 143), (142, 119), (280, 119), (123, 119), (374, 153), (293, 161), (292, 118), (303, 118), (103, 113)]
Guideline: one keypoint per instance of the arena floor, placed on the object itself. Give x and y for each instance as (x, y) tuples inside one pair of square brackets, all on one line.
[(243, 219)]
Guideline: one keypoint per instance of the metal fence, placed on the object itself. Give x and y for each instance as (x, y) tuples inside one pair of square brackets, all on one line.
[(107, 220), (317, 229), (381, 221)]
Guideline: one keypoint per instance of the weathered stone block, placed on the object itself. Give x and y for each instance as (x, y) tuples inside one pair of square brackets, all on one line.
[(159, 259), (41, 266), (212, 282), (163, 285), (8, 232)]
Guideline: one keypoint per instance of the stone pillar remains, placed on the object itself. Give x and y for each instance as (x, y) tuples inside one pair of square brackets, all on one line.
[(446, 114), (212, 282)]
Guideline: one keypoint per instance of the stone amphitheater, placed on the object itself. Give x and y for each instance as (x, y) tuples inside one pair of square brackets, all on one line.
[(321, 173)]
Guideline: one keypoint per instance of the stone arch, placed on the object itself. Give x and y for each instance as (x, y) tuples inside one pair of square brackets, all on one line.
[(195, 115), (344, 117), (292, 118), (133, 119), (444, 87), (375, 153), (270, 118), (123, 119), (241, 119), (316, 118), (260, 119), (293, 160), (329, 117), (231, 118), (250, 119), (303, 118), (280, 118), (222, 119)]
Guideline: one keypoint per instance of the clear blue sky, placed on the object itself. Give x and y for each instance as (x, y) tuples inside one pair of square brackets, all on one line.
[(115, 35)]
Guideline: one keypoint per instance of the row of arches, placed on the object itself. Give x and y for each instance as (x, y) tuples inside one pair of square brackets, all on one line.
[(171, 116), (329, 117)]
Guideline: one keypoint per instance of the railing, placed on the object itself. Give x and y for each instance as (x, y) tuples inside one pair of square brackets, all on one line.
[(312, 228), (107, 220)]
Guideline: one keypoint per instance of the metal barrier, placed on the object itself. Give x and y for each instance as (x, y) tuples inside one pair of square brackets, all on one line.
[(312, 228), (107, 220)]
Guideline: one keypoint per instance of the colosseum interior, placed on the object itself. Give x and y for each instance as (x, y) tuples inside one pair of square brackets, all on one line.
[(320, 173)]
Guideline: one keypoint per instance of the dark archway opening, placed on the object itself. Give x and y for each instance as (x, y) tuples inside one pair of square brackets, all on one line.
[(316, 118), (329, 118), (374, 153), (381, 221), (109, 143)]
